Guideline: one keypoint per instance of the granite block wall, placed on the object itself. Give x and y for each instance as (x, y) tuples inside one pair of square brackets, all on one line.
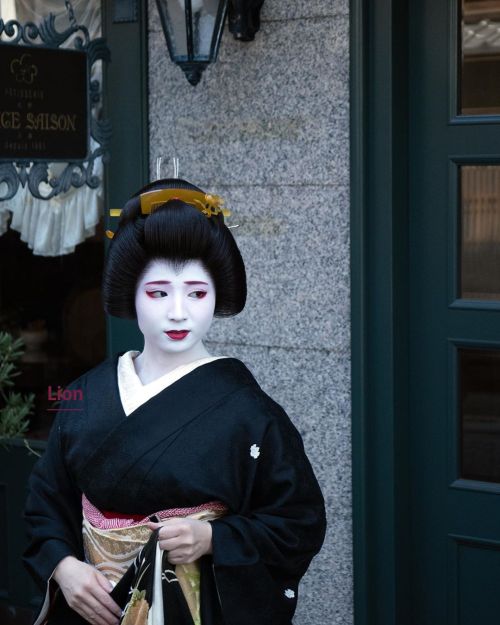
[(268, 129)]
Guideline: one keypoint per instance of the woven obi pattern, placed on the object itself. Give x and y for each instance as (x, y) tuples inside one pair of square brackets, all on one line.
[(112, 542)]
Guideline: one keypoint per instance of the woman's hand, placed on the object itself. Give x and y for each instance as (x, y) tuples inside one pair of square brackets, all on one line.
[(184, 539), (86, 591)]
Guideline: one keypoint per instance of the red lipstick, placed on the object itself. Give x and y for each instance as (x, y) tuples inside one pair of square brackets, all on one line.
[(177, 335)]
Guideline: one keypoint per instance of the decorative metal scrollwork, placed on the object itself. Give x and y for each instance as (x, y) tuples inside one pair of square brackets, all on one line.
[(76, 173)]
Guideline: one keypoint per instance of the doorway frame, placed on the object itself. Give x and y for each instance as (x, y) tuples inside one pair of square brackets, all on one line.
[(379, 317), (127, 107)]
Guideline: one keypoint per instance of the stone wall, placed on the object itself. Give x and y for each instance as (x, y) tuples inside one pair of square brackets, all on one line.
[(268, 129)]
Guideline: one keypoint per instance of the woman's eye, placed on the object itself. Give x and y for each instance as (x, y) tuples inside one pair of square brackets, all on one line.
[(198, 294), (156, 294)]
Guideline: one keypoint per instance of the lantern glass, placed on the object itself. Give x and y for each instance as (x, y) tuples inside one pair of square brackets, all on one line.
[(174, 25), (191, 27), (204, 28), (193, 30)]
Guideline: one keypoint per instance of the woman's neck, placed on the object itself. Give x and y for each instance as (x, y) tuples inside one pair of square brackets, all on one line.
[(151, 364)]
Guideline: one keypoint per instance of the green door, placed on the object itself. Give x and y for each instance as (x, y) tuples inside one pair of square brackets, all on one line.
[(454, 312), (125, 25)]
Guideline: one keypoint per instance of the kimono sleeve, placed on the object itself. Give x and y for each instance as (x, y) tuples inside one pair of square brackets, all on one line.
[(52, 511), (260, 554)]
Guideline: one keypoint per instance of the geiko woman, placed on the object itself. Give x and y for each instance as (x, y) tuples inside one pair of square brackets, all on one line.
[(177, 492)]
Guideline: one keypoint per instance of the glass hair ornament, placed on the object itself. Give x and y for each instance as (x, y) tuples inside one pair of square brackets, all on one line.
[(206, 203)]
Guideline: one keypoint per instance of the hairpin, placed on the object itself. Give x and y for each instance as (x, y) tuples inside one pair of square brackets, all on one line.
[(206, 203), (175, 162)]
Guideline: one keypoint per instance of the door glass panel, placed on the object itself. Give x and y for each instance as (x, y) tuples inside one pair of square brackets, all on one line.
[(479, 379), (480, 232), (479, 56)]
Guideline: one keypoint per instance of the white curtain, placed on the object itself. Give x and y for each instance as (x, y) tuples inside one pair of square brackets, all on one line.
[(481, 203)]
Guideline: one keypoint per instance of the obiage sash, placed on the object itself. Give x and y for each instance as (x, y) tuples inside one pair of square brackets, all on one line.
[(149, 589)]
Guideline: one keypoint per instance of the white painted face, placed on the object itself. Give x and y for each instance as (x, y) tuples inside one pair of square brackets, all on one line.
[(168, 303)]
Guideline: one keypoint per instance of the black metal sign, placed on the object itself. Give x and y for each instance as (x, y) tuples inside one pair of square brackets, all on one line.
[(50, 107), (43, 103)]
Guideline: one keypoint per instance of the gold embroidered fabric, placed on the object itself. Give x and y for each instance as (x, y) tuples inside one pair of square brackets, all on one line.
[(112, 551)]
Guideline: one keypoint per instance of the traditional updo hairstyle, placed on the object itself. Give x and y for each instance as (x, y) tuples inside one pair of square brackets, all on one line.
[(178, 232)]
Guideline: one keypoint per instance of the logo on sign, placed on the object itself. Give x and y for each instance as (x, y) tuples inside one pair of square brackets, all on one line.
[(23, 70)]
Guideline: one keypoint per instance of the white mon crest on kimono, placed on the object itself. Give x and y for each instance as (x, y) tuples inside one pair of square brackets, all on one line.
[(255, 451)]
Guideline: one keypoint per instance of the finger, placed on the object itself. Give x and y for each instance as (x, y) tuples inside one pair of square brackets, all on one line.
[(98, 616), (107, 600), (92, 617), (160, 523), (104, 581), (178, 556), (180, 560), (170, 544), (95, 611), (170, 533), (109, 606), (171, 524), (112, 606), (153, 525)]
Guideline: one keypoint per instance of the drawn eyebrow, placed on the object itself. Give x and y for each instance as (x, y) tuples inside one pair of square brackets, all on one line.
[(168, 282)]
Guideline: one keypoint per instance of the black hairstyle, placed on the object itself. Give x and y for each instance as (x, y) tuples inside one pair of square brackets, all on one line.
[(178, 232)]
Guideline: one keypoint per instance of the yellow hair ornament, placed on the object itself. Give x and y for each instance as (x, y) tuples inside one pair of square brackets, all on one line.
[(208, 204), (205, 202)]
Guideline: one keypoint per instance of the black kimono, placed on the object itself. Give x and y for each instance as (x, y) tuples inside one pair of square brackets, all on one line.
[(213, 435)]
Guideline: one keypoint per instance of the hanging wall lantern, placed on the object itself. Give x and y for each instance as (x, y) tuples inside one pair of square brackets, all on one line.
[(193, 29)]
